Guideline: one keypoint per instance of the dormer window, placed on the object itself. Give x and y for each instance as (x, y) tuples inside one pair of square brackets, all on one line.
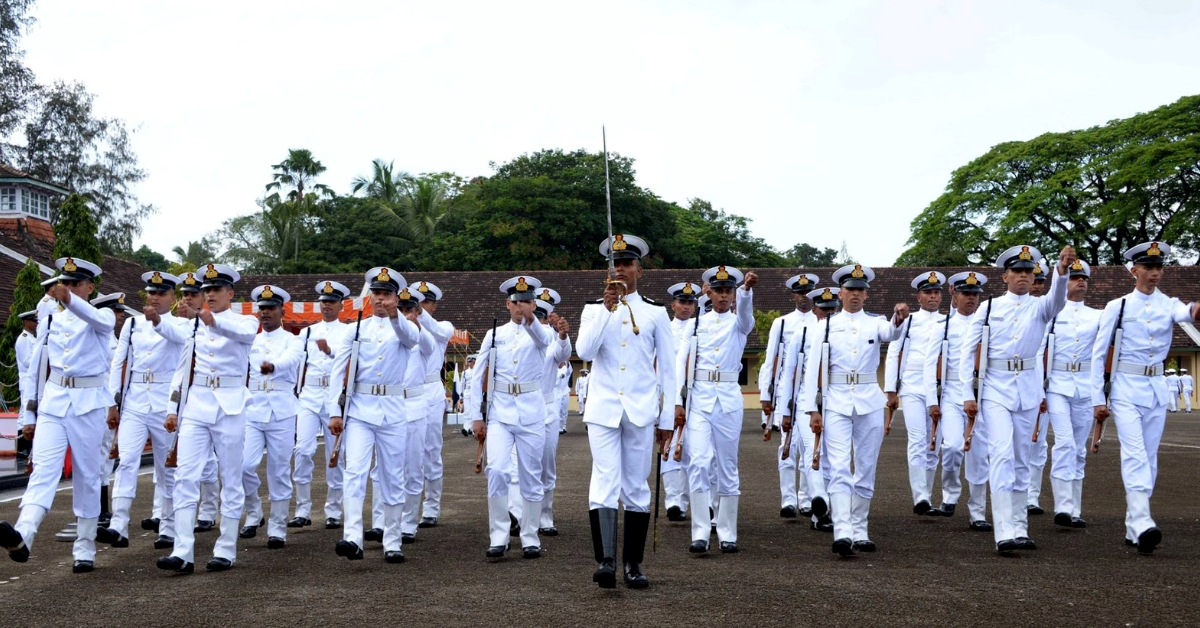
[(8, 200), (35, 204)]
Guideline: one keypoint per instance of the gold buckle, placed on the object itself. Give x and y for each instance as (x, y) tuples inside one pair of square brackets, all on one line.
[(1150, 371)]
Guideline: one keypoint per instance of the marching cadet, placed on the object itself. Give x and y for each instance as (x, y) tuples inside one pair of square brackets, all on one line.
[(555, 361), (1187, 387), (945, 406), (312, 416), (853, 403), (275, 358), (373, 413), (212, 380), (674, 472), (409, 301), (1041, 450), (515, 416), (904, 384), (1172, 391), (114, 301), (625, 391), (467, 401), (1071, 336), (141, 406), (580, 393), (788, 392), (435, 407), (69, 411), (1136, 390), (562, 393), (1011, 389), (783, 333), (23, 348), (714, 406)]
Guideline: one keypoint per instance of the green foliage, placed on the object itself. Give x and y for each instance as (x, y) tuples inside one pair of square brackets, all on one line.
[(707, 237), (16, 80), (75, 235), (1101, 189), (26, 294), (150, 258), (354, 234), (196, 255), (807, 256), (762, 327)]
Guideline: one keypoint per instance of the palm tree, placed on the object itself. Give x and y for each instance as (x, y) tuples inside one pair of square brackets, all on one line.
[(297, 172), (384, 184), (197, 253), (424, 205)]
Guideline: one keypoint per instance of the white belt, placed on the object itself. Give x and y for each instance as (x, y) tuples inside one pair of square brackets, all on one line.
[(270, 385), (413, 393), (379, 390), (94, 381), (1072, 367), (433, 377), (518, 389), (145, 377), (1139, 369), (220, 381), (853, 378), (1015, 365), (703, 375), (320, 381), (951, 376)]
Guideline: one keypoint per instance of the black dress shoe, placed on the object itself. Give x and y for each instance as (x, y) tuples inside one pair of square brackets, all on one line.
[(274, 542), (219, 564), (823, 524), (1076, 522), (605, 574), (819, 508), (248, 532), (1034, 509), (675, 513), (109, 536), (12, 541), (299, 522), (121, 542), (698, 547), (333, 523), (164, 542), (202, 525), (428, 522), (514, 526), (934, 512), (407, 538), (1062, 519), (788, 512), (864, 546), (980, 526), (551, 531), (921, 507), (532, 551), (349, 550), (150, 525), (1149, 540), (105, 519), (948, 510), (1129, 543), (394, 557), (634, 578), (728, 547), (843, 547), (806, 511), (1025, 543), (496, 551), (83, 566), (1007, 546), (373, 534), (176, 564)]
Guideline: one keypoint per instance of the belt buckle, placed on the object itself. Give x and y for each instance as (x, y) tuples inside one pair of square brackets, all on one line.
[(514, 389), (68, 382), (714, 376), (1016, 365), (852, 378), (1149, 371), (1076, 367)]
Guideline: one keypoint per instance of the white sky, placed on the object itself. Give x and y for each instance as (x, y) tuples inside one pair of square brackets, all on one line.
[(822, 121)]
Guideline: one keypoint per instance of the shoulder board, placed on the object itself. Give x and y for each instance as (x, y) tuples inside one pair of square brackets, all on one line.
[(943, 319), (652, 301), (595, 301), (871, 314)]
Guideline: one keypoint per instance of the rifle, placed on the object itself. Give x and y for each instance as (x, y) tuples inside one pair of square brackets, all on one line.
[(822, 384), (489, 380), (43, 376), (1047, 364), (791, 409), (887, 412), (126, 383), (774, 374), (180, 398), (344, 402), (981, 352), (943, 371), (304, 365), (1110, 363), (693, 358)]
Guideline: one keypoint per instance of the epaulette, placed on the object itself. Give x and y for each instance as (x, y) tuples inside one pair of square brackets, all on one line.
[(652, 302), (595, 301)]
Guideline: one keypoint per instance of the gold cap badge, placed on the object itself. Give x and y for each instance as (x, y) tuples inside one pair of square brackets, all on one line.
[(156, 277), (1025, 254), (521, 285), (422, 287), (70, 266), (190, 280), (933, 278), (545, 296), (404, 295), (971, 280), (328, 289), (383, 276), (267, 293), (721, 275), (857, 273), (211, 273), (687, 289), (803, 281), (1153, 250), (121, 300), (827, 295), (619, 243), (1078, 265)]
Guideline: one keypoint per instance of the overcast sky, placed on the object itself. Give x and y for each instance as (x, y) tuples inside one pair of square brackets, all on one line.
[(823, 121)]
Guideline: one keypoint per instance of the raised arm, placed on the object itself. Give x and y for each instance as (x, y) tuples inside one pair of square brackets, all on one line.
[(442, 330), (407, 331), (236, 327), (101, 320), (1055, 300), (745, 309)]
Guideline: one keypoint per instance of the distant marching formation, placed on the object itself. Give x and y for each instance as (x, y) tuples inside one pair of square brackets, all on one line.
[(212, 390)]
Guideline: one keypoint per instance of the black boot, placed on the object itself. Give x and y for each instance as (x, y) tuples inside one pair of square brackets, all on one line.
[(105, 510), (604, 544), (636, 524)]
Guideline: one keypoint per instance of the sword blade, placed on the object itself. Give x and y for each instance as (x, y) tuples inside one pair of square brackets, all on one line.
[(612, 270)]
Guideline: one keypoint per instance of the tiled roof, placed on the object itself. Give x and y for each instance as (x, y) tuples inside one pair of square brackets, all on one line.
[(119, 275), (9, 172)]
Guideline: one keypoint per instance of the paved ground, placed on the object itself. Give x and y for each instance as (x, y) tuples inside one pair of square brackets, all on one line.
[(928, 571)]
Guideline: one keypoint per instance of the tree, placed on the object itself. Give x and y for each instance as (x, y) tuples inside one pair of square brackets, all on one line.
[(1102, 189), (762, 327), (294, 174), (75, 235), (843, 257), (194, 256), (16, 80), (26, 294), (261, 242), (384, 184), (356, 234), (807, 256), (706, 237)]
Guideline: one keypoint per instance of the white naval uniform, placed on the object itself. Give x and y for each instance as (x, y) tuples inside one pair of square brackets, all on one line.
[(581, 393), (625, 397), (271, 423), (78, 348), (794, 324), (144, 406), (106, 464), (435, 414), (516, 417), (1188, 385), (558, 352), (953, 424), (416, 408), (674, 473), (1012, 394), (562, 393), (1138, 401), (714, 420), (212, 420), (312, 418), (908, 379), (375, 419), (23, 347), (788, 394), (1069, 401), (1173, 390), (852, 412)]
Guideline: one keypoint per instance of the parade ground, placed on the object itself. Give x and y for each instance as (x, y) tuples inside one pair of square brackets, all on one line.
[(928, 571)]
